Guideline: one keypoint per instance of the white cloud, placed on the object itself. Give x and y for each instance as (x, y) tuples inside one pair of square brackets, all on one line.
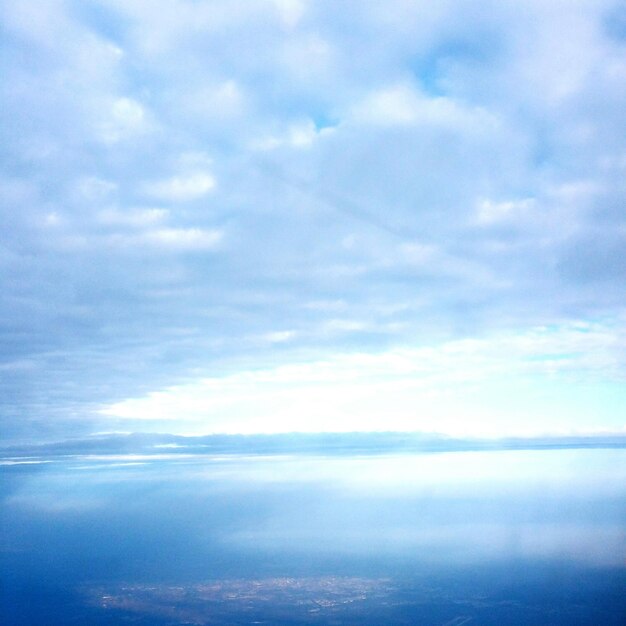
[(213, 104), (440, 388), (125, 119), (135, 218), (290, 11), (279, 336), (345, 325), (491, 212), (178, 238), (308, 58), (403, 105), (182, 188), (52, 219), (395, 105), (298, 135)]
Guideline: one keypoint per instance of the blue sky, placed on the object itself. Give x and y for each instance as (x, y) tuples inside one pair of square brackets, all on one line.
[(279, 215)]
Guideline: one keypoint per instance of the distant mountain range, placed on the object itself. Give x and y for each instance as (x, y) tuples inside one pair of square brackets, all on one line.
[(338, 444)]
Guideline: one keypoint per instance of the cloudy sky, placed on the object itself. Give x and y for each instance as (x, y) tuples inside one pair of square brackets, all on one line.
[(284, 215)]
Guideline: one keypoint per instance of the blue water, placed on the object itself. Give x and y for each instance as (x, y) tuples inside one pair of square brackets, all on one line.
[(496, 537)]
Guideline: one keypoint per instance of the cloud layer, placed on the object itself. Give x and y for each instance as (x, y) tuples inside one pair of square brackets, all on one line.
[(196, 190)]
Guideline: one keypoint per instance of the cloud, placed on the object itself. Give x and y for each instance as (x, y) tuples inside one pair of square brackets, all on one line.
[(441, 388), (180, 188), (490, 212), (126, 118), (134, 217), (296, 135), (364, 178), (183, 238), (403, 104), (290, 11), (279, 336), (213, 105)]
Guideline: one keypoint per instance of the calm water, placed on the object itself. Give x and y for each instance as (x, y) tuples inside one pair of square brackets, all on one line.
[(511, 537)]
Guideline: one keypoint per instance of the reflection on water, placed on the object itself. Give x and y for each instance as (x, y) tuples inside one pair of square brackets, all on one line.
[(468, 537)]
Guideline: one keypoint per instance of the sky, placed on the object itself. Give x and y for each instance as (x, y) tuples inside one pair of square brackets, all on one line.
[(287, 215)]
